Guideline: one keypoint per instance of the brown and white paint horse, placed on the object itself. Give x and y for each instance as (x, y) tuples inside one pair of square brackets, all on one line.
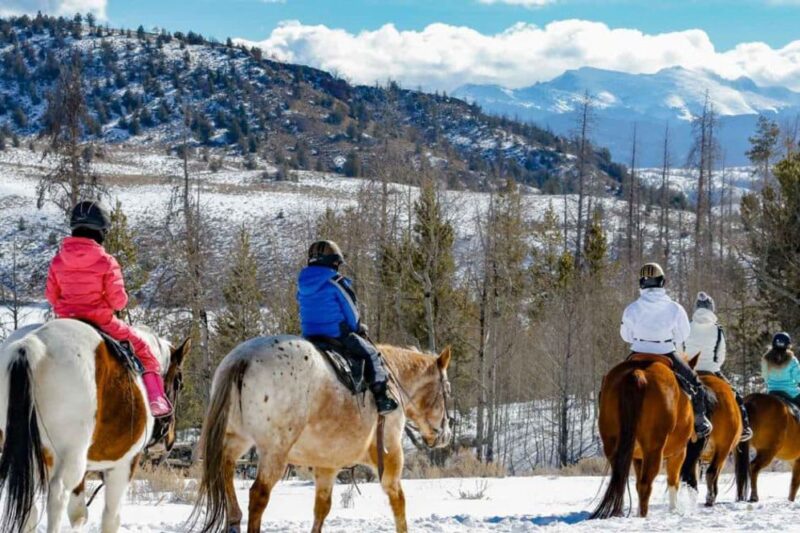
[(68, 407), (279, 395)]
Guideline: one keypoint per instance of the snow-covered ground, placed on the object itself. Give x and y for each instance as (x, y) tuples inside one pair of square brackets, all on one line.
[(509, 505)]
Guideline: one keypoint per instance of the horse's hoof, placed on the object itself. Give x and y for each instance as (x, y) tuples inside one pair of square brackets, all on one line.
[(753, 500), (234, 529), (709, 504)]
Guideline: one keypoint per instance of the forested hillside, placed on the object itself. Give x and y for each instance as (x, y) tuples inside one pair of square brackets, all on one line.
[(139, 85)]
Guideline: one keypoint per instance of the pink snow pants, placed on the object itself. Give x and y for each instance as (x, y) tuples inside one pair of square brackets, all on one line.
[(123, 332)]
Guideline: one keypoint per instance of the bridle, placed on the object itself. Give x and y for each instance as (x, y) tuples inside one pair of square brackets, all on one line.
[(444, 396)]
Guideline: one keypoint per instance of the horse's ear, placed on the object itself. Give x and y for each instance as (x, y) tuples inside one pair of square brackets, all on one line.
[(693, 361), (180, 353), (444, 359)]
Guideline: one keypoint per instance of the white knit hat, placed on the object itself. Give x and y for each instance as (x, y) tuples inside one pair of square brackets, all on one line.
[(704, 301)]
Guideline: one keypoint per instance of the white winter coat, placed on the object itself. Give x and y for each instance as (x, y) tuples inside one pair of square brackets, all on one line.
[(654, 323), (705, 331)]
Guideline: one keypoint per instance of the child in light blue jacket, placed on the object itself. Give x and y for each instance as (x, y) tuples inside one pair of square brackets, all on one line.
[(781, 370)]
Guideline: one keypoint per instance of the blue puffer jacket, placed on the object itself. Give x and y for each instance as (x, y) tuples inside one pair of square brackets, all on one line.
[(327, 303)]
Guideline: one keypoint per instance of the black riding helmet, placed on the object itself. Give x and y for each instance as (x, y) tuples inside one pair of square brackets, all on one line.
[(90, 215), (781, 341), (325, 253)]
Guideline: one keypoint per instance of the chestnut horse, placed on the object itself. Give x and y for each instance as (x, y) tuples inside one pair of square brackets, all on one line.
[(67, 407), (280, 395), (645, 418), (715, 449), (776, 435)]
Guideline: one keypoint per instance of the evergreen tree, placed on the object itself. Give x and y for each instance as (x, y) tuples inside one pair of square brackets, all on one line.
[(241, 319), (773, 227), (763, 146), (119, 243)]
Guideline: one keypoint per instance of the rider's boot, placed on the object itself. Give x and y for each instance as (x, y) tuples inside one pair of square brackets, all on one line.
[(747, 431), (156, 397), (702, 425), (383, 400)]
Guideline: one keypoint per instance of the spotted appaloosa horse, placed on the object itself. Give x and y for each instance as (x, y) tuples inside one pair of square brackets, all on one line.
[(67, 407), (645, 418), (281, 396)]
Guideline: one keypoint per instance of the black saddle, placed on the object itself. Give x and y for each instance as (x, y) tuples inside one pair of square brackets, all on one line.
[(349, 370), (122, 351), (789, 402)]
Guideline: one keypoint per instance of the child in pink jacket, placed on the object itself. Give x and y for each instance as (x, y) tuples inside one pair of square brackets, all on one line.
[(85, 282)]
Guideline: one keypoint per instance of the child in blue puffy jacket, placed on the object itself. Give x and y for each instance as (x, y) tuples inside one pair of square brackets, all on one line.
[(329, 310)]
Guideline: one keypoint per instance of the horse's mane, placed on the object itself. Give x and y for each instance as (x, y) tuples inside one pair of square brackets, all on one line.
[(405, 359)]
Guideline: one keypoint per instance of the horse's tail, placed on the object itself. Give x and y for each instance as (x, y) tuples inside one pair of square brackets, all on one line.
[(742, 462), (211, 493), (631, 398), (23, 470)]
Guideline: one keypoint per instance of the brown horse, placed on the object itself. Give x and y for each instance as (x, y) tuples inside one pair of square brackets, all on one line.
[(776, 435), (715, 449), (280, 395), (645, 418)]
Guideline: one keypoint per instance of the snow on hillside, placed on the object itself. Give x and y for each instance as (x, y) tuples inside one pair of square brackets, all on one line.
[(280, 214), (673, 95), (508, 505), (737, 180)]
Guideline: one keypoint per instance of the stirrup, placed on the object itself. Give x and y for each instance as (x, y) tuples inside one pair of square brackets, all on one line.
[(703, 429), (747, 434)]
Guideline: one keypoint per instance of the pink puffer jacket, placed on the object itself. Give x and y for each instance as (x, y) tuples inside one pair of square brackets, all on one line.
[(85, 282)]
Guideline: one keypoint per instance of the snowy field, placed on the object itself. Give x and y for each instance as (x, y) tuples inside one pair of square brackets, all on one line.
[(509, 505)]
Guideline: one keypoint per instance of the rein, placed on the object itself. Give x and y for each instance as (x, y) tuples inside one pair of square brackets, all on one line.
[(405, 397)]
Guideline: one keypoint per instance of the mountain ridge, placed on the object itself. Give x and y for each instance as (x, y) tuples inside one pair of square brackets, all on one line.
[(671, 95)]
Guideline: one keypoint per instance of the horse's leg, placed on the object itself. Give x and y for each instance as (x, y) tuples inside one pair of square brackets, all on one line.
[(116, 483), (651, 464), (324, 479), (674, 464), (712, 477), (763, 458), (271, 466), (77, 511), (67, 473), (393, 471), (235, 448), (795, 480)]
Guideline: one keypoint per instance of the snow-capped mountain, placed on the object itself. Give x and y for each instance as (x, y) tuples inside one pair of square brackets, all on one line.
[(651, 101)]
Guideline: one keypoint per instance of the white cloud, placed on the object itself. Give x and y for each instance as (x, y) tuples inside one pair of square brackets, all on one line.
[(531, 4), (54, 7), (442, 56), (273, 1)]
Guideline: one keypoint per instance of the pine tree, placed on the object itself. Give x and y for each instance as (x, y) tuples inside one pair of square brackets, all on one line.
[(763, 146), (773, 228), (241, 319), (119, 243)]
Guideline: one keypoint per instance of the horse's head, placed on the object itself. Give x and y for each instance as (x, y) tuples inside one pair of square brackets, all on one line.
[(429, 393), (173, 384)]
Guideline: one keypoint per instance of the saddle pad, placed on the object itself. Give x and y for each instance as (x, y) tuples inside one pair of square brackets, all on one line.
[(650, 358), (349, 370), (121, 351)]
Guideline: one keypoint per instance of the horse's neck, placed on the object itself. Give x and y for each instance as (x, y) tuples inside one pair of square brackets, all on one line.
[(410, 367), (156, 346)]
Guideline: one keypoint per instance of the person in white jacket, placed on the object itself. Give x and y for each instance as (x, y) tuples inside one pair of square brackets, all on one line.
[(708, 339), (655, 324)]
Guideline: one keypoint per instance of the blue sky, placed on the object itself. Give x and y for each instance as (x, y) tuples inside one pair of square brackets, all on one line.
[(726, 22)]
